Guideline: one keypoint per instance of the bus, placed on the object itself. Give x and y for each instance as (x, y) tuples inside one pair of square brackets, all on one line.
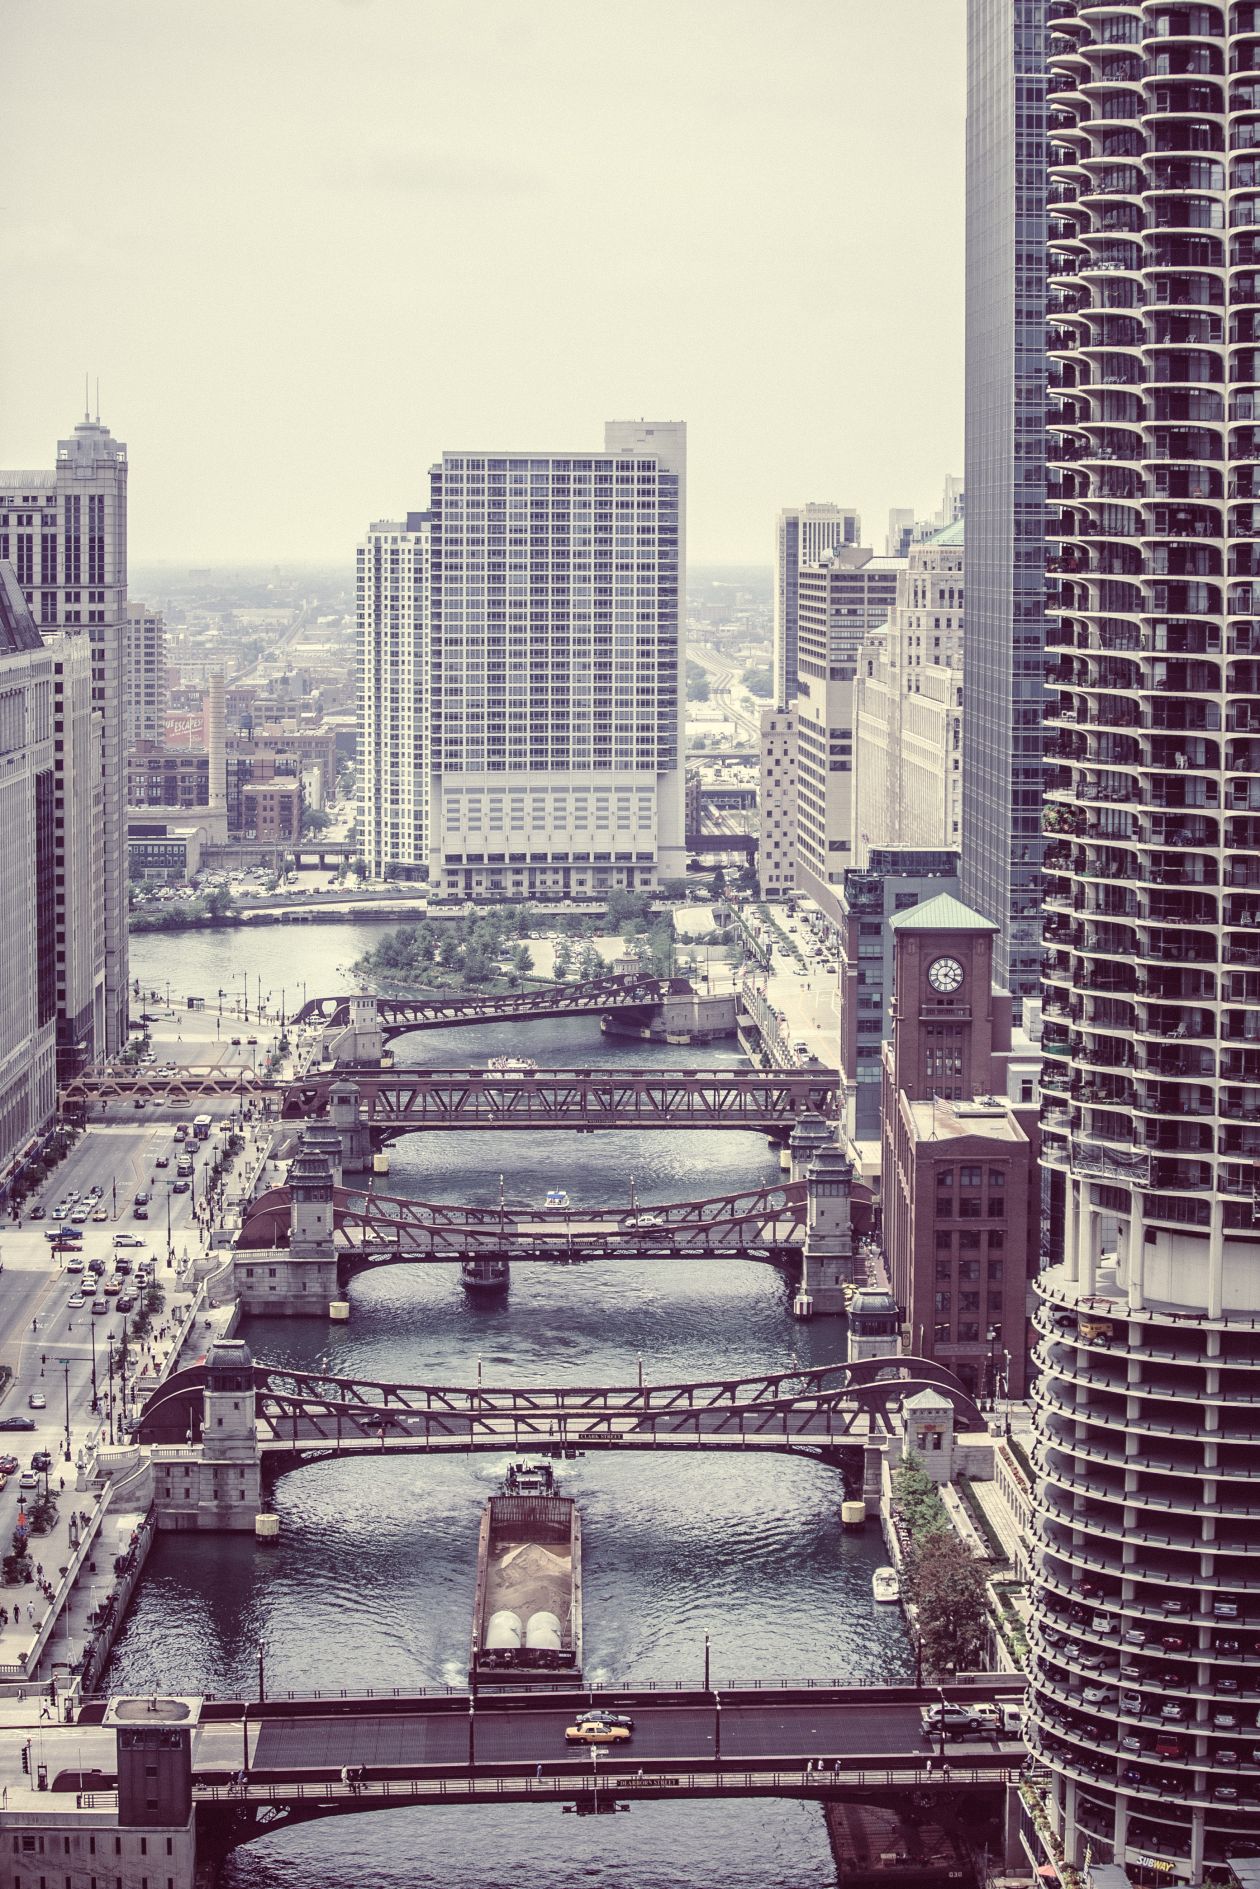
[(201, 1127)]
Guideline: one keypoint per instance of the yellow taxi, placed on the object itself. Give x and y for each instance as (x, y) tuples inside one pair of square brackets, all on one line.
[(596, 1731)]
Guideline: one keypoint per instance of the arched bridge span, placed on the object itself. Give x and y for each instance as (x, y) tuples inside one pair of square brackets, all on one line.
[(398, 1016), (307, 1415)]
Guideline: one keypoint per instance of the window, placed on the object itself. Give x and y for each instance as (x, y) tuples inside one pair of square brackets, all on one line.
[(997, 1177), (944, 1270), (970, 1176), (995, 1272), (969, 1209), (997, 1239), (940, 1333), (997, 1209), (968, 1332), (943, 1302), (944, 1241)]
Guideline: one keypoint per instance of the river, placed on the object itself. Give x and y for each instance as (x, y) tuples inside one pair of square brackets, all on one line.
[(371, 1584)]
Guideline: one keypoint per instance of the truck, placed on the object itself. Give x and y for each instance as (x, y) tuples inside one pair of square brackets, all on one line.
[(527, 1610)]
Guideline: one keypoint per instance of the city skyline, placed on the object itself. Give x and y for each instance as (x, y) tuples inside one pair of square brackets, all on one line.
[(530, 266)]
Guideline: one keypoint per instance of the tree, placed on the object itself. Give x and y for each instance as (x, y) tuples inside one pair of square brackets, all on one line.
[(522, 960), (218, 902), (314, 820), (697, 683), (562, 968), (590, 964), (758, 681), (948, 1588)]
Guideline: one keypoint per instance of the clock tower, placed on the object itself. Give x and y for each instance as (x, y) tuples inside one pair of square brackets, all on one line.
[(943, 1005)]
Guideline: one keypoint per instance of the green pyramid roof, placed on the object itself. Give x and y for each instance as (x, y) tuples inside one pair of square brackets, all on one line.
[(952, 534), (942, 913)]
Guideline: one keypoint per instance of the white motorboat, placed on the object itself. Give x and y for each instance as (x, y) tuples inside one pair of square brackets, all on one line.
[(885, 1584)]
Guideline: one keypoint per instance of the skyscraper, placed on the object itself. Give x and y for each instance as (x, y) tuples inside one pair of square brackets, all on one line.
[(1147, 1554), (1004, 687), (804, 533), (65, 532), (144, 677), (521, 643)]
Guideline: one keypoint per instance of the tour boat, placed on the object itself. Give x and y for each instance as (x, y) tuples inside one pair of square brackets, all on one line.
[(885, 1585), (556, 1197), (511, 1066)]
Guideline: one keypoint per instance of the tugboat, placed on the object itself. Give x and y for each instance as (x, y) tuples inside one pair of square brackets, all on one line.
[(478, 1273), (530, 1478)]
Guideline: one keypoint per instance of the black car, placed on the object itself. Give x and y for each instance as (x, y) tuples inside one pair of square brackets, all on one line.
[(181, 1187), (125, 1302), (37, 1212), (41, 1460), (17, 1423)]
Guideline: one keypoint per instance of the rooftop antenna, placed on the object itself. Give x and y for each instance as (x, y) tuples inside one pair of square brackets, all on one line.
[(98, 399), (87, 411)]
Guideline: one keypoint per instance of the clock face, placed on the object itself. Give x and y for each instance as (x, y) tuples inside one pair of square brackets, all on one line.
[(945, 975)]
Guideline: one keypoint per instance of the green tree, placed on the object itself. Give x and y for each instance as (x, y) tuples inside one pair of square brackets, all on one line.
[(563, 965), (697, 683), (219, 903), (590, 964), (947, 1586), (758, 681), (522, 960)]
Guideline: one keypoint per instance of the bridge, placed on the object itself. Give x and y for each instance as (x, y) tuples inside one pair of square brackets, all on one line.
[(256, 1766), (306, 1415), (398, 1101), (379, 1229), (400, 1015)]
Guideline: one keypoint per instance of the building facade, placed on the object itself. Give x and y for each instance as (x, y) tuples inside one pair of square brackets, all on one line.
[(908, 712), (520, 657), (1004, 677), (776, 843), (144, 676), (960, 1200), (1149, 1326), (894, 880), (65, 532), (78, 841), (803, 534), (840, 600), (28, 991)]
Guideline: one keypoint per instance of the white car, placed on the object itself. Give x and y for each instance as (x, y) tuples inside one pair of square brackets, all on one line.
[(76, 1301)]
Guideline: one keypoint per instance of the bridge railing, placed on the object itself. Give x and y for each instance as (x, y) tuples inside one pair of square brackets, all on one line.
[(616, 1778)]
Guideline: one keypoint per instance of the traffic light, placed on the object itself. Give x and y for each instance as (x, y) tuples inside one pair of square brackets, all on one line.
[(26, 1757)]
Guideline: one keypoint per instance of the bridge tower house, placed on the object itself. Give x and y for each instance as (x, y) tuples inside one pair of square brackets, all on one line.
[(356, 1136), (299, 1281), (215, 1483), (828, 1259)]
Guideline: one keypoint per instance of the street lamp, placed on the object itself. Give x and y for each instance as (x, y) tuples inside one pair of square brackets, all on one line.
[(993, 1338), (65, 1365)]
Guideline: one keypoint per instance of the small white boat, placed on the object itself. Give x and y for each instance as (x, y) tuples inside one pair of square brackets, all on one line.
[(556, 1197), (511, 1066), (885, 1584)]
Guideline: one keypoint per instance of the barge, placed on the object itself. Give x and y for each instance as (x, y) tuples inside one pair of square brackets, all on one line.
[(527, 1612)]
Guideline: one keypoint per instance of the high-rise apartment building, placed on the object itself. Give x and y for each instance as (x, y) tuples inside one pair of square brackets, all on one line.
[(900, 532), (849, 593), (521, 644), (65, 532), (144, 677), (804, 533), (776, 800), (908, 710), (28, 1001), (1003, 681), (1147, 1555)]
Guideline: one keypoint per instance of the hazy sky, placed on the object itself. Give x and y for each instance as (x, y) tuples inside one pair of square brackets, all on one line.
[(308, 244)]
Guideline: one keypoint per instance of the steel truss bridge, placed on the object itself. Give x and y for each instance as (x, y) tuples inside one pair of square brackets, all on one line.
[(398, 1101), (308, 1415), (399, 1015), (378, 1229)]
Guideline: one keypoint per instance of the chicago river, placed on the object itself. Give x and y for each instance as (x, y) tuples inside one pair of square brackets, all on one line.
[(371, 1585)]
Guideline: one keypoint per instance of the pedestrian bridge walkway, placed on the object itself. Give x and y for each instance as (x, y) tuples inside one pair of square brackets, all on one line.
[(398, 1016)]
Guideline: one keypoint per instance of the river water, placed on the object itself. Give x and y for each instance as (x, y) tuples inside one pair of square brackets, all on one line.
[(372, 1582)]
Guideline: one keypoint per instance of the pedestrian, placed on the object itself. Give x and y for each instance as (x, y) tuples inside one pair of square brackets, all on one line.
[(17, 1613), (538, 1771)]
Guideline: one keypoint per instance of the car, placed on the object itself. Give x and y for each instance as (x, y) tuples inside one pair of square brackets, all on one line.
[(126, 1302), (163, 1161), (1224, 1721), (594, 1731), (236, 1042), (1225, 1643), (1225, 1794), (1224, 1610), (1130, 1701), (122, 1265), (141, 1198), (139, 1213), (42, 1459), (17, 1423), (100, 1213), (28, 1480), (1227, 1683), (958, 1720), (112, 1285), (76, 1301), (37, 1212), (9, 1465), (1100, 1695), (1135, 1636), (100, 1307), (182, 1187), (1173, 1604), (1133, 1774), (37, 1401), (1174, 1642), (1172, 1712), (609, 1718), (1225, 1755), (127, 1239), (74, 1263), (1091, 1659)]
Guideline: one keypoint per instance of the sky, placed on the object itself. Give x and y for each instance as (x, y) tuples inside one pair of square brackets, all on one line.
[(307, 245)]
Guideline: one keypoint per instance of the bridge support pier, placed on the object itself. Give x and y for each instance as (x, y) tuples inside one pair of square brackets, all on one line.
[(216, 1483), (360, 1039), (872, 1479), (300, 1280)]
